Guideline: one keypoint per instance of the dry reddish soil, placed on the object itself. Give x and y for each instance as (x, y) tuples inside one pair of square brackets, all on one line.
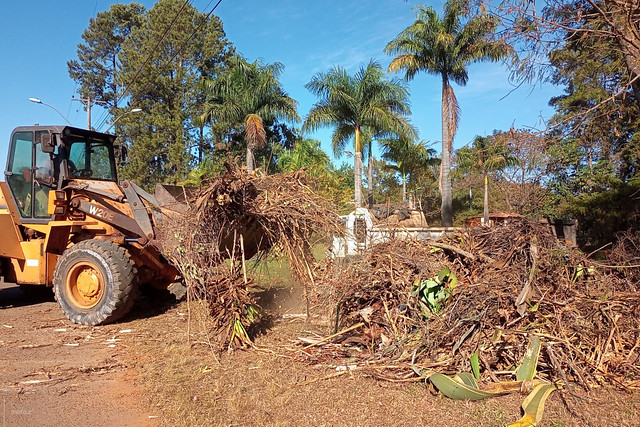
[(55, 373), (144, 371)]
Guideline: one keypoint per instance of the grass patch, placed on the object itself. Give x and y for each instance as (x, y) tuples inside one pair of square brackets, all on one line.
[(275, 271)]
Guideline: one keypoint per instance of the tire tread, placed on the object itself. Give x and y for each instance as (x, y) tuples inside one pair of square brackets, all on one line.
[(123, 270)]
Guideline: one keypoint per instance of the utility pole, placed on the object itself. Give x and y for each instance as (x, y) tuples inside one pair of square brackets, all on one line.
[(88, 100)]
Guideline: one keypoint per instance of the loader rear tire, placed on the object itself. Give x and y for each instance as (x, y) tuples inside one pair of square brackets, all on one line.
[(95, 282)]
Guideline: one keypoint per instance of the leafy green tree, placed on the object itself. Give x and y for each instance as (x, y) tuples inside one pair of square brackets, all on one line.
[(445, 47), (486, 155), (367, 147), (524, 182), (246, 98), (594, 137), (539, 27), (163, 64), (366, 101), (387, 188), (97, 68), (593, 151), (407, 156)]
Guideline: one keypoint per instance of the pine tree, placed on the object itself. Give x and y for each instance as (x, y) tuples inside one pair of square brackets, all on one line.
[(97, 67), (164, 62)]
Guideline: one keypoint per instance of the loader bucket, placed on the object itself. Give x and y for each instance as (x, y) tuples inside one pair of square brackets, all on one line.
[(176, 200), (175, 197)]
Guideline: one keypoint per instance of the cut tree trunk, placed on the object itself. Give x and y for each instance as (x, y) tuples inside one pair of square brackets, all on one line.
[(250, 160), (486, 200)]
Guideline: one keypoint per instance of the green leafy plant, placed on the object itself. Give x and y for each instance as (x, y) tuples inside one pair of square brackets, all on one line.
[(433, 292), (463, 386), (475, 364)]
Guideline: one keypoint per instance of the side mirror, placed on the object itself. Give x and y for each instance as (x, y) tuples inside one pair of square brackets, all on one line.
[(47, 143)]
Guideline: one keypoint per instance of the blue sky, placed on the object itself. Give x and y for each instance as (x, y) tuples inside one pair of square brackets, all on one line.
[(39, 36)]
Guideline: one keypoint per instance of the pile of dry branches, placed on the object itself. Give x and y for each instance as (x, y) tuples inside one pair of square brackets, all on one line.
[(231, 219), (509, 281)]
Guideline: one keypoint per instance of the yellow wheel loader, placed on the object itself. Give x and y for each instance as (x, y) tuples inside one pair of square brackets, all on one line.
[(67, 223)]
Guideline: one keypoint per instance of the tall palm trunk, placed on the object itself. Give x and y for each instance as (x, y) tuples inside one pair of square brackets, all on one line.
[(250, 159), (200, 143), (404, 188), (370, 177), (357, 169), (445, 165), (486, 200)]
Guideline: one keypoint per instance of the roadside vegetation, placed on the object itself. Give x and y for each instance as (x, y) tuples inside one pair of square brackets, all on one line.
[(204, 104), (474, 307)]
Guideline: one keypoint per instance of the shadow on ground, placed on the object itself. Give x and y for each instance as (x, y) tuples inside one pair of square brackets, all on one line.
[(281, 299), (149, 303), (12, 295)]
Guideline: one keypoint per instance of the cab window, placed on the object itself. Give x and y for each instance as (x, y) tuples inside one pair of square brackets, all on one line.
[(19, 170), (91, 160), (30, 181), (43, 182)]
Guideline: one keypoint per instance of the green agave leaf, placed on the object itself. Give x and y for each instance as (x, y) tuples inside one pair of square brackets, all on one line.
[(475, 364), (527, 368), (467, 379), (443, 274), (453, 280), (533, 405), (430, 284), (447, 275), (457, 391)]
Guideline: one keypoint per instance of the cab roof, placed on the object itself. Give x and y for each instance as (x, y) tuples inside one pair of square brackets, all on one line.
[(66, 130)]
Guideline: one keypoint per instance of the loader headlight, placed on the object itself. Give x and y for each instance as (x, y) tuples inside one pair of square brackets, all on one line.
[(61, 196)]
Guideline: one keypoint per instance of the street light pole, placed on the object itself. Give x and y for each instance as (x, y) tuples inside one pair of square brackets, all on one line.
[(135, 110), (38, 101), (88, 101)]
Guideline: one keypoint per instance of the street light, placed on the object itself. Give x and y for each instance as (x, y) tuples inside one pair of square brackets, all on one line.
[(135, 110), (38, 101)]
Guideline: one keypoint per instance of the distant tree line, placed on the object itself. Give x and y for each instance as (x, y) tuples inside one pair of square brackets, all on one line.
[(205, 104)]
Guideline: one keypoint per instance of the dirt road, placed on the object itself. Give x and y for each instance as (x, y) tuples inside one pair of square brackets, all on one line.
[(55, 373)]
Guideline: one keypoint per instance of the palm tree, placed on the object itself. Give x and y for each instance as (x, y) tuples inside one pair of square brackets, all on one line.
[(409, 155), (366, 101), (486, 155), (306, 153), (247, 96), (445, 47)]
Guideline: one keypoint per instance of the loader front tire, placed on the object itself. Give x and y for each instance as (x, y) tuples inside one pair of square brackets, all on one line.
[(95, 282)]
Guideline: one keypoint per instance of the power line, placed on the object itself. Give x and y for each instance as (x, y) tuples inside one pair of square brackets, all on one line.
[(184, 45), (166, 31)]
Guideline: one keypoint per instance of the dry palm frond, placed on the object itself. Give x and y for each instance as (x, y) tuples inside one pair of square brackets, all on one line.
[(233, 218), (520, 281)]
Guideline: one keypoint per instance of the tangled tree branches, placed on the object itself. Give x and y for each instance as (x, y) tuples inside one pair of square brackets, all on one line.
[(230, 220), (485, 291)]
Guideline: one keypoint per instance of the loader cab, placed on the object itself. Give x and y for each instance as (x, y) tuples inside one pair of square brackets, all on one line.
[(90, 157), (43, 158)]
